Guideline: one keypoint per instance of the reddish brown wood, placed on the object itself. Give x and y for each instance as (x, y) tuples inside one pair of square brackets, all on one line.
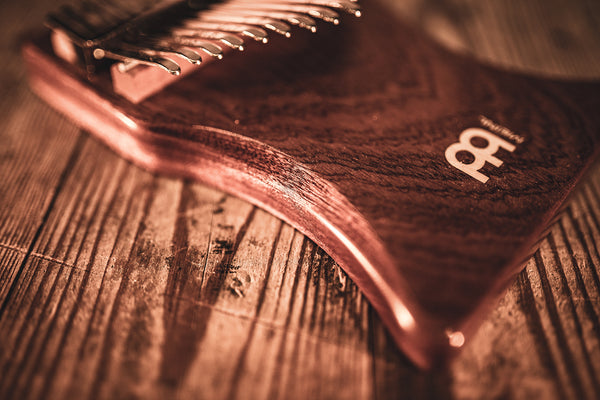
[(343, 135)]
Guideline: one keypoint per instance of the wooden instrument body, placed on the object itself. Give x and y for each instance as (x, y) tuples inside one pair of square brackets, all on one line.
[(343, 135)]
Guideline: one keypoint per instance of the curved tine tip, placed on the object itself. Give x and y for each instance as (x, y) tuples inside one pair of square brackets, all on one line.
[(279, 27), (233, 42), (209, 48), (257, 34), (191, 55), (169, 65)]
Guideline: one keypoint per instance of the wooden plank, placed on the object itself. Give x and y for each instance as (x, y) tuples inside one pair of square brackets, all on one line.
[(27, 130)]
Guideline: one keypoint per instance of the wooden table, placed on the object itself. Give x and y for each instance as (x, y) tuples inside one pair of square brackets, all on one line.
[(116, 283)]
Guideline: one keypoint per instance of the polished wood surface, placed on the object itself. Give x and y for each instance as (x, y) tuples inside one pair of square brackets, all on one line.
[(264, 312)]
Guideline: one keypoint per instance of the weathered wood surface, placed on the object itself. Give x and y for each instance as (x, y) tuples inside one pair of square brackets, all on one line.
[(118, 283)]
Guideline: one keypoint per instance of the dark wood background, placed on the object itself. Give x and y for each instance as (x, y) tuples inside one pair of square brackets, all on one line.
[(242, 305)]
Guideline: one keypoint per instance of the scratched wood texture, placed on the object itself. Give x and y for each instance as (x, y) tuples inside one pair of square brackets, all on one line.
[(115, 283)]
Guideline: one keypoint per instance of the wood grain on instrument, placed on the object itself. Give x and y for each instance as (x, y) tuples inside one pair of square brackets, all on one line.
[(80, 317)]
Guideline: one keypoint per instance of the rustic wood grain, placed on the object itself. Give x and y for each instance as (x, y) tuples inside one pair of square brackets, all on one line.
[(123, 284)]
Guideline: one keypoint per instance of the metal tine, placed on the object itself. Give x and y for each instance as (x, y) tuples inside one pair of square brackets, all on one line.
[(207, 46), (346, 5), (228, 39), (350, 6), (154, 47), (253, 32), (302, 21), (128, 56), (258, 34), (269, 23), (293, 18), (324, 13), (232, 41), (222, 23)]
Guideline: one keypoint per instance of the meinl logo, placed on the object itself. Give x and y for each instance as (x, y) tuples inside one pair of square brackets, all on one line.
[(488, 144)]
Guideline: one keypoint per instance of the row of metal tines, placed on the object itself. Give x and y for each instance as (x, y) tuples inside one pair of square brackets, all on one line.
[(152, 32)]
